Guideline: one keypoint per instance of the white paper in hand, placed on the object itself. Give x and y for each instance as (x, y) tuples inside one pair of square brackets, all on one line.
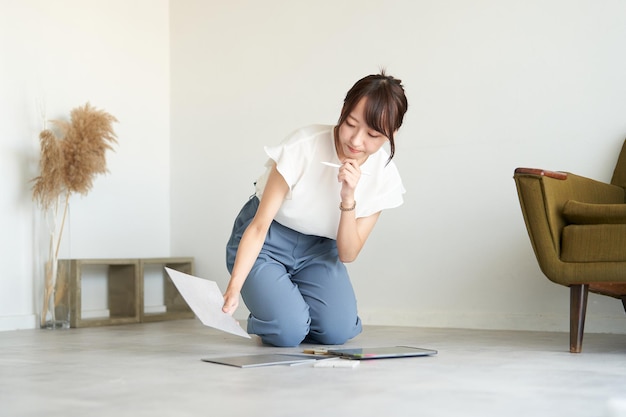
[(206, 301)]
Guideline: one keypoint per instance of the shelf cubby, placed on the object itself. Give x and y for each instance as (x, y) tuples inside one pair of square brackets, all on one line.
[(175, 305)]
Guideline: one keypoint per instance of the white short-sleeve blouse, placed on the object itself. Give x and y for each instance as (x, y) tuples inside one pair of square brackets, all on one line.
[(312, 203)]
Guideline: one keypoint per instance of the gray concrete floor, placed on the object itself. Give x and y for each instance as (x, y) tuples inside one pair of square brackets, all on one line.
[(155, 369)]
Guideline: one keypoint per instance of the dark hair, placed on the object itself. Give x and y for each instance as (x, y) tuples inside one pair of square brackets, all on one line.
[(385, 107)]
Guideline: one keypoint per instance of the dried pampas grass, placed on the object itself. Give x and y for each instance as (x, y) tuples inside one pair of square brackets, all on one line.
[(49, 184), (69, 164)]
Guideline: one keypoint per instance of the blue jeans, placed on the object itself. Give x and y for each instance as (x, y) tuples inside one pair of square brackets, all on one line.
[(297, 290)]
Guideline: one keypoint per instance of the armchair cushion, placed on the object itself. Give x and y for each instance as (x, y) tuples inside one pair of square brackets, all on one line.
[(594, 243), (576, 212)]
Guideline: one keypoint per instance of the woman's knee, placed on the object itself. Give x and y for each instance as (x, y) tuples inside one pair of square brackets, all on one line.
[(287, 332), (335, 332)]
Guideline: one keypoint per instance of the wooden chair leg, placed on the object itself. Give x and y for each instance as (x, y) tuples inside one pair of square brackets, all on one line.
[(578, 310)]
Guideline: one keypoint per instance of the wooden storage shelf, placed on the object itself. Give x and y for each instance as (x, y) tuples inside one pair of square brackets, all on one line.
[(125, 283)]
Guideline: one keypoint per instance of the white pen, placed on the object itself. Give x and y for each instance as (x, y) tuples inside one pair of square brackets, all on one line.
[(330, 164)]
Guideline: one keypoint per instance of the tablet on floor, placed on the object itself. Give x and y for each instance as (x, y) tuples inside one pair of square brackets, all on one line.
[(249, 361), (381, 352)]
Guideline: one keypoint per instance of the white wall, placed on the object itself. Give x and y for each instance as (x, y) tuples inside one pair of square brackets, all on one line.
[(492, 85), (57, 55)]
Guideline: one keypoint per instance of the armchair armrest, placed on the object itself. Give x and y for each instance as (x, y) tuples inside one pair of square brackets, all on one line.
[(559, 187), (542, 172)]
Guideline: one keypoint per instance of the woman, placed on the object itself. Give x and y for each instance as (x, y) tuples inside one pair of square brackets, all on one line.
[(290, 241)]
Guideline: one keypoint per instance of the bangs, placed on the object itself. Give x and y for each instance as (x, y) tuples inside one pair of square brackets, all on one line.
[(381, 113)]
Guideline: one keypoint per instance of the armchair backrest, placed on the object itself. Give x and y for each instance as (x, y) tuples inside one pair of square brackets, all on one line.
[(619, 174)]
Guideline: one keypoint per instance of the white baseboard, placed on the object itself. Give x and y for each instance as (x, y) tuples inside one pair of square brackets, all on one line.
[(491, 321), (486, 321), (155, 309), (105, 313), (26, 321), (95, 314)]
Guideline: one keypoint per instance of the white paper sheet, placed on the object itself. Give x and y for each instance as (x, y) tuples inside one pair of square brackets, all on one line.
[(206, 301)]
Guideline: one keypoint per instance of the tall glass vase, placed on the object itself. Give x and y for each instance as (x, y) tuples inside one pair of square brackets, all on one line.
[(55, 312)]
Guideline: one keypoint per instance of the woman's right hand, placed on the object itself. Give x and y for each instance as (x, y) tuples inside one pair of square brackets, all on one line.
[(231, 301), (349, 175)]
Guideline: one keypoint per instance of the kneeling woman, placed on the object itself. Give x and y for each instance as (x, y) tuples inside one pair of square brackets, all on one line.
[(307, 218)]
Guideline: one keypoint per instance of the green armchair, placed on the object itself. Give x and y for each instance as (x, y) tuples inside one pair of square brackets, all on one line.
[(577, 228)]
